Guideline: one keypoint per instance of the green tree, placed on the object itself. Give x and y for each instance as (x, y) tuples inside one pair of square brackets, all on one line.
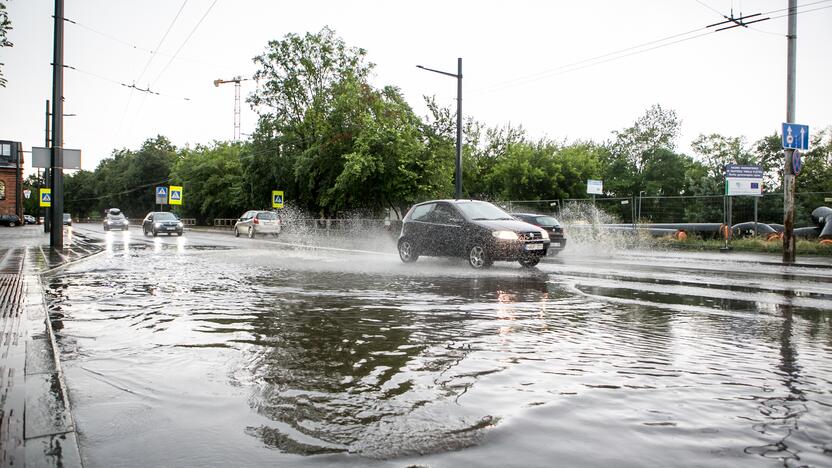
[(80, 194), (633, 148), (127, 179), (5, 27), (213, 177)]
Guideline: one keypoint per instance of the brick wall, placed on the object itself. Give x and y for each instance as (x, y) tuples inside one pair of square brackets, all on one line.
[(9, 205)]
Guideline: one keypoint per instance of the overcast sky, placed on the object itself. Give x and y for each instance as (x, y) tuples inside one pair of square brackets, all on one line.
[(517, 64)]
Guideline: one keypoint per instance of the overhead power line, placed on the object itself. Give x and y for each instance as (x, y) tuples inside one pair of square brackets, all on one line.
[(162, 40), (633, 50), (121, 83), (185, 41)]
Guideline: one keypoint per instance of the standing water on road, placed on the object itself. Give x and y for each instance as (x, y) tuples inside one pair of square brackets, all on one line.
[(268, 356)]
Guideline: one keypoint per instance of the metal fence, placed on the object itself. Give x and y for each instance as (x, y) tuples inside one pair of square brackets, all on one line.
[(767, 208)]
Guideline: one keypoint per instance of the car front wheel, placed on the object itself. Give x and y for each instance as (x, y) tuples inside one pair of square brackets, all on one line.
[(529, 262), (155, 233), (236, 232), (407, 251), (478, 257)]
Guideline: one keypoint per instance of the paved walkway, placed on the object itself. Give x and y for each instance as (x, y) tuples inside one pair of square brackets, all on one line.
[(36, 427)]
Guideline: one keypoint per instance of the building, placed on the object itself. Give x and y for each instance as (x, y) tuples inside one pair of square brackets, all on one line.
[(11, 178)]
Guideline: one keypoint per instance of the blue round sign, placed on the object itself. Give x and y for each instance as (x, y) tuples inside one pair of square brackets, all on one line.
[(797, 164)]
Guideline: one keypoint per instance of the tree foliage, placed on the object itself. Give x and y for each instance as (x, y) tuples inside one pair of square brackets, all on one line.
[(5, 27)]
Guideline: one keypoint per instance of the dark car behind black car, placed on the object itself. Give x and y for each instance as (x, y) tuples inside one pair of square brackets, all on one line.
[(556, 235), (475, 230)]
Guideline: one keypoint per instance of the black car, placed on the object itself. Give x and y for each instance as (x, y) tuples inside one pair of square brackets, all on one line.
[(29, 219), (475, 230), (162, 222), (10, 220), (115, 219), (556, 235)]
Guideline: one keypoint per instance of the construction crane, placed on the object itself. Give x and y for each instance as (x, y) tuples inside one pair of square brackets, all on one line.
[(236, 80)]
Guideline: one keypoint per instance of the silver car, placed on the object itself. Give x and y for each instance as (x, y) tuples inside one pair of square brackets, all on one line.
[(255, 222)]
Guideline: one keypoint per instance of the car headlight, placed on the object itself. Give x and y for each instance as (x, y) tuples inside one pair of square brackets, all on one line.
[(158, 225), (545, 234), (505, 235), (179, 224)]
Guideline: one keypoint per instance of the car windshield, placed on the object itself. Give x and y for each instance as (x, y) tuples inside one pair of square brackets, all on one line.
[(477, 210), (266, 215), (66, 216), (545, 221), (164, 216)]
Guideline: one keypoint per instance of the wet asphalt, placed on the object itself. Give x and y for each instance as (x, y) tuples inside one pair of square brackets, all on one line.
[(210, 350)]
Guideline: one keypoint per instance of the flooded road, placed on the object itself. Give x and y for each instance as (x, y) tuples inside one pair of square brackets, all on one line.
[(235, 352)]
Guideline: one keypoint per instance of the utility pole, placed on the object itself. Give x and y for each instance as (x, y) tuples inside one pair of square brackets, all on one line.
[(47, 180), (458, 77), (236, 80), (56, 238), (788, 176)]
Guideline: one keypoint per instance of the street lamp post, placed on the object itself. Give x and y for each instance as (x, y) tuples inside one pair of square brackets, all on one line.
[(458, 77), (639, 203)]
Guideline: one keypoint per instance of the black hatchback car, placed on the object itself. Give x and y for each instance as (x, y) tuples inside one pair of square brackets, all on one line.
[(475, 230), (557, 237)]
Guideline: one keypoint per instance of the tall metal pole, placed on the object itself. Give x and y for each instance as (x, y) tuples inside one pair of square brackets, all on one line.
[(47, 180), (459, 129), (56, 238), (788, 177)]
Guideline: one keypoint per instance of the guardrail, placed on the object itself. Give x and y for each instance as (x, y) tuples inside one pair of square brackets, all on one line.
[(225, 222)]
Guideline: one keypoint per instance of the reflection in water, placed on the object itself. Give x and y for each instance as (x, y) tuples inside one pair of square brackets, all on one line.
[(327, 361), (357, 372)]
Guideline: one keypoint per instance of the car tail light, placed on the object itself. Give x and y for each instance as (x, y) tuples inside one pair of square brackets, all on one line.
[(256, 221)]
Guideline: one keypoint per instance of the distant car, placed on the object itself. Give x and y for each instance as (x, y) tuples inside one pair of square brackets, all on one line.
[(67, 219), (556, 235), (29, 219), (115, 219), (255, 222), (162, 222), (10, 220), (475, 230)]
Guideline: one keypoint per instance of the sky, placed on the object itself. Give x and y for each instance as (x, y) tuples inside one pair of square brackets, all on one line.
[(568, 71)]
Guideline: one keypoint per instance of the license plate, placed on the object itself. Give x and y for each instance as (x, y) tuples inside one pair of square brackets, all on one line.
[(170, 229), (534, 246), (555, 244)]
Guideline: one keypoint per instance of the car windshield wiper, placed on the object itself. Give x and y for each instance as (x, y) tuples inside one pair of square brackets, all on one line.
[(479, 219), (507, 219)]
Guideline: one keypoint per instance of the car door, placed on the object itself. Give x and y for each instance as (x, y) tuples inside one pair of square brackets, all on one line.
[(446, 229), (147, 224), (417, 229)]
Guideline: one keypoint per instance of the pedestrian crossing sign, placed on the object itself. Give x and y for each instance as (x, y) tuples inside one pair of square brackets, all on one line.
[(175, 195), (45, 197), (277, 198)]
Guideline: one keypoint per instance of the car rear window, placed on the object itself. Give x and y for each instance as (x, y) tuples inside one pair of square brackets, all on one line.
[(115, 216), (266, 215), (546, 221)]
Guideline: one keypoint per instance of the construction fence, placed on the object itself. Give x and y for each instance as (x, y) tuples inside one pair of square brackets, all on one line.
[(767, 208)]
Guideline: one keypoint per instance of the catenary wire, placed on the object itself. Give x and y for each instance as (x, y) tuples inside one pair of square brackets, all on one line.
[(175, 54)]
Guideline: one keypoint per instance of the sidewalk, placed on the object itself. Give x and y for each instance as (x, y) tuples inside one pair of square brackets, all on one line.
[(36, 426)]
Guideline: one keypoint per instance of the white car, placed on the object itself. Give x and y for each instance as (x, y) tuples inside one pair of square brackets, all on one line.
[(255, 222)]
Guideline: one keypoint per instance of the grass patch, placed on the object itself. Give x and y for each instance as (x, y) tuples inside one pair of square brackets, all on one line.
[(803, 247)]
